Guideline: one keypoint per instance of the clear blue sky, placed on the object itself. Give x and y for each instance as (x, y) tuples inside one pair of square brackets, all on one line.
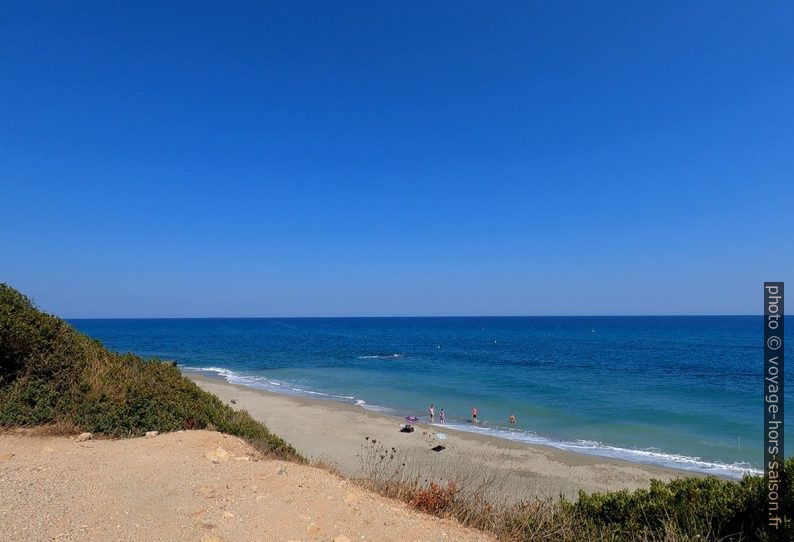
[(396, 158)]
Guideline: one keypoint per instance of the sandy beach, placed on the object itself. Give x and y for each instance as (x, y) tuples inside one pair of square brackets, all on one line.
[(339, 434)]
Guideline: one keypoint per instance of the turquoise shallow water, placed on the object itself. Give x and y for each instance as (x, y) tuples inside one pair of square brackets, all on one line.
[(676, 391)]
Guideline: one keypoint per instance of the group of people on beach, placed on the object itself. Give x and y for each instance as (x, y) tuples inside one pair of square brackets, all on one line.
[(431, 410)]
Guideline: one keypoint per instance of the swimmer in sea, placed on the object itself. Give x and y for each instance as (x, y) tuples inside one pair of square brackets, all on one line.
[(512, 419), (474, 414)]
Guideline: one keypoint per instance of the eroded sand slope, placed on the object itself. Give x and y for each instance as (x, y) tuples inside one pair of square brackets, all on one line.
[(193, 485)]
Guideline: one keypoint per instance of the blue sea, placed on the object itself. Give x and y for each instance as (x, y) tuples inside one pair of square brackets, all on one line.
[(683, 392)]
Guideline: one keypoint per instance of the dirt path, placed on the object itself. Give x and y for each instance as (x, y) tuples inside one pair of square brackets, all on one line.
[(194, 485)]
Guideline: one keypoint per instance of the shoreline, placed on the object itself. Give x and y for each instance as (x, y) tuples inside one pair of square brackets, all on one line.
[(340, 434), (649, 456)]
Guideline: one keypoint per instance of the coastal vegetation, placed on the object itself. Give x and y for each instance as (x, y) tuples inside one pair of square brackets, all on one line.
[(50, 374), (53, 376), (688, 508)]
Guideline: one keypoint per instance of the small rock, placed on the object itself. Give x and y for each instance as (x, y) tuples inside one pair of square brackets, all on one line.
[(312, 528), (341, 538), (233, 402), (82, 437), (151, 434), (6, 457), (218, 455), (282, 471), (228, 515)]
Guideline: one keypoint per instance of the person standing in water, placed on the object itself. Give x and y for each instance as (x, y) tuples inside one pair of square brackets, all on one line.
[(512, 419), (441, 416), (432, 411), (474, 414)]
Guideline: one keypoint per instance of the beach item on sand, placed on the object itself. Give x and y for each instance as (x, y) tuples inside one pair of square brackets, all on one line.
[(408, 427), (438, 448), (441, 436)]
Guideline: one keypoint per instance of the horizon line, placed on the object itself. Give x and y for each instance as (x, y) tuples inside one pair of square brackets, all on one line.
[(412, 316)]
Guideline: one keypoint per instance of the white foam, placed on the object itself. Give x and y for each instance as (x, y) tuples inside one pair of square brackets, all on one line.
[(380, 356), (655, 457), (267, 384)]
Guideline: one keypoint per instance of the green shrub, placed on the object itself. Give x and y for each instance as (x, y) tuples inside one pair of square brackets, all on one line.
[(50, 373), (711, 507)]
